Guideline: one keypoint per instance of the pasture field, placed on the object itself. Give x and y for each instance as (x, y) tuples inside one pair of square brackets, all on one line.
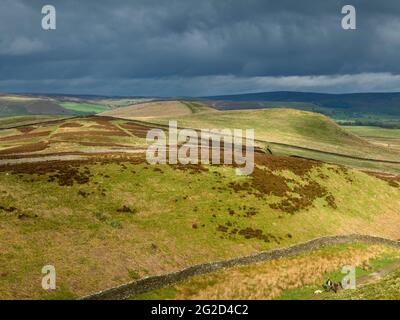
[(290, 132), (389, 138), (292, 127), (84, 107)]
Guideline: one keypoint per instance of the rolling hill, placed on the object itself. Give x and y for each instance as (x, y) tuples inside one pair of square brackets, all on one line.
[(158, 109), (287, 132), (19, 105), (79, 193), (369, 103)]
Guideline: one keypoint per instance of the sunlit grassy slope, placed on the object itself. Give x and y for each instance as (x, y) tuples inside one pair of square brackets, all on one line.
[(114, 218), (386, 288), (294, 127), (159, 110), (7, 122), (84, 107), (285, 126), (389, 138), (11, 105), (72, 135)]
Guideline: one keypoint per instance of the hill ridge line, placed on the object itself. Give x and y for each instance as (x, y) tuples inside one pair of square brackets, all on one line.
[(163, 126), (150, 283)]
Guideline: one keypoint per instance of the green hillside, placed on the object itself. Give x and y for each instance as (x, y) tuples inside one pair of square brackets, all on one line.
[(84, 107), (291, 127), (11, 105), (96, 202), (385, 103)]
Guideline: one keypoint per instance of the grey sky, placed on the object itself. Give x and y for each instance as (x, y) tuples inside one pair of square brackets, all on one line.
[(188, 47)]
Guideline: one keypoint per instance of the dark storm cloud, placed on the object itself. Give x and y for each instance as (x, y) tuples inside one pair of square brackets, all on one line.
[(186, 47)]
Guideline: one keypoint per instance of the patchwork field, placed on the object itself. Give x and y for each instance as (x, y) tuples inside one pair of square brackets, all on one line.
[(19, 105), (389, 138), (84, 107), (72, 135)]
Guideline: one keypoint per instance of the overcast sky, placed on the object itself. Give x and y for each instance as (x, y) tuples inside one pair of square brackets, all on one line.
[(199, 47)]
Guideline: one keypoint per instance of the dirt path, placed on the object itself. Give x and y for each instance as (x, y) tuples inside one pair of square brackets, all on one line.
[(367, 279), (376, 276)]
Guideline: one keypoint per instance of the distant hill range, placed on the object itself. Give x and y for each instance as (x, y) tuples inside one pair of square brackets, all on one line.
[(364, 103)]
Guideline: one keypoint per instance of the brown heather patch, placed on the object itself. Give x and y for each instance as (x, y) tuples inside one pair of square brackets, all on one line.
[(191, 168), (307, 194), (136, 129), (66, 173), (250, 233), (26, 136), (126, 209), (298, 166), (266, 183), (71, 125), (32, 147), (393, 181), (269, 183), (102, 120), (230, 230), (101, 144), (25, 129), (340, 170), (89, 134)]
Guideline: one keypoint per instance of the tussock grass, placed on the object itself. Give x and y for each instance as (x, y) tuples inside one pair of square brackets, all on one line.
[(278, 278)]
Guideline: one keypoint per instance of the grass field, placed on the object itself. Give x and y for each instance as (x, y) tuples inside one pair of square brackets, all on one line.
[(291, 132), (293, 127), (84, 107), (386, 288), (44, 106), (389, 138), (158, 110)]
